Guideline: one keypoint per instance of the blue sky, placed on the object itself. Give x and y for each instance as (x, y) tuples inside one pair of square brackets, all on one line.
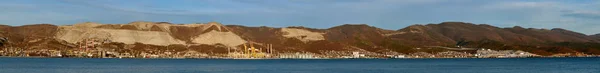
[(577, 15)]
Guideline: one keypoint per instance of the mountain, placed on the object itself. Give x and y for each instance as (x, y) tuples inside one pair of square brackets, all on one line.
[(450, 32), (596, 36), (486, 36), (215, 38)]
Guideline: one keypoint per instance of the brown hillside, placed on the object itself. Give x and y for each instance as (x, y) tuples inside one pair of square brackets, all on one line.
[(597, 37), (348, 37), (360, 35)]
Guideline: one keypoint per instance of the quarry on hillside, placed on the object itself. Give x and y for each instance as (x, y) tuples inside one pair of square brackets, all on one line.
[(302, 34), (213, 37), (140, 33), (74, 35)]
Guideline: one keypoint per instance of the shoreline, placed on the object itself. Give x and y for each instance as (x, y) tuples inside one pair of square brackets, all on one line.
[(286, 58)]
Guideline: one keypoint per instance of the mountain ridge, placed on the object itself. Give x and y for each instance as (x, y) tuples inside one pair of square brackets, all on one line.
[(208, 37)]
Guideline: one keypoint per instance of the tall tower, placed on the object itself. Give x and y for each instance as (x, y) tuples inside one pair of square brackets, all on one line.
[(253, 50), (246, 50), (270, 48)]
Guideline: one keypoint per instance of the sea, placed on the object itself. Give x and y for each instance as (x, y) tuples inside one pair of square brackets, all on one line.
[(449, 65)]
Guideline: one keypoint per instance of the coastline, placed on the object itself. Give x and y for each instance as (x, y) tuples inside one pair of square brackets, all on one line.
[(290, 58)]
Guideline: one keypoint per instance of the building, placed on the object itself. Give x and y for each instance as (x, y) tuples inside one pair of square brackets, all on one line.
[(297, 55)]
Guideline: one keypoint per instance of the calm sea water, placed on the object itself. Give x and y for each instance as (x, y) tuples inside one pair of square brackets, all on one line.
[(88, 65)]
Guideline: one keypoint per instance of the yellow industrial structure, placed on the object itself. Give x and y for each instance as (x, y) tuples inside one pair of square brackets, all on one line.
[(249, 51)]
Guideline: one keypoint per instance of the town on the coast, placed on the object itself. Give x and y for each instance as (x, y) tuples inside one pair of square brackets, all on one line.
[(255, 53)]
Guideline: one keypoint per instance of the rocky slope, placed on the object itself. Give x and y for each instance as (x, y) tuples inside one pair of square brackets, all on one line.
[(214, 37), (486, 36), (597, 37), (451, 32)]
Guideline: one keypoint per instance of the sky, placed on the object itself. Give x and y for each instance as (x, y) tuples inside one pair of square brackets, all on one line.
[(577, 15)]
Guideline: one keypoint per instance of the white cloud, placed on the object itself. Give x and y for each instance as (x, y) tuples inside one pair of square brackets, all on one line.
[(521, 5), (21, 18)]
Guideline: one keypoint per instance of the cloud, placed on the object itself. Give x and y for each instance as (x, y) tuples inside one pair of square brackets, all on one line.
[(513, 5), (183, 7), (583, 14)]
